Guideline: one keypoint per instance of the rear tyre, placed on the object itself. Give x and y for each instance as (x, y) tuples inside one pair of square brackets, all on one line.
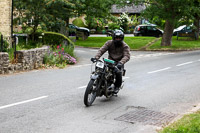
[(90, 93)]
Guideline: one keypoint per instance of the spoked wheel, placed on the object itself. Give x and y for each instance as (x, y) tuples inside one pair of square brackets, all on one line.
[(90, 93)]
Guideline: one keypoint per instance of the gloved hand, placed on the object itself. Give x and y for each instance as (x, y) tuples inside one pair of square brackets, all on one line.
[(93, 59), (119, 65)]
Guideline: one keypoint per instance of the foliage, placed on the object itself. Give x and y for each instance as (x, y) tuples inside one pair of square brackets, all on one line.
[(123, 21), (188, 124), (53, 14), (113, 26), (5, 44), (79, 22), (134, 20), (95, 23), (60, 56), (52, 38), (98, 9)]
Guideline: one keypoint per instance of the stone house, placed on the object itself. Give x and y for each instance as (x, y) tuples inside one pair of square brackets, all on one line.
[(5, 21)]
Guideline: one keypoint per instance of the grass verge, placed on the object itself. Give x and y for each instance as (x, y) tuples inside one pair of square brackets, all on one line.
[(135, 43), (183, 43), (188, 124)]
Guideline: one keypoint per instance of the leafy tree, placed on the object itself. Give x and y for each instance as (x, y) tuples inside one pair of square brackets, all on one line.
[(98, 9), (169, 11), (51, 15), (31, 10)]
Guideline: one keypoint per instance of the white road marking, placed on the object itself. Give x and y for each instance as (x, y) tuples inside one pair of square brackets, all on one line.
[(82, 87), (186, 63), (159, 70), (27, 101), (125, 77)]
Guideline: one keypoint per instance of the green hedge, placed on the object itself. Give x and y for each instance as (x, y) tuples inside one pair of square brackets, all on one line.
[(79, 22), (53, 38)]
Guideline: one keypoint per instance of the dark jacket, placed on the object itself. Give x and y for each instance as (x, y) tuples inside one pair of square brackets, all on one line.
[(116, 53)]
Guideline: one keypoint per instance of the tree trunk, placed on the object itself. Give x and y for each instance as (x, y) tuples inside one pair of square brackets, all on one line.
[(168, 32), (196, 24)]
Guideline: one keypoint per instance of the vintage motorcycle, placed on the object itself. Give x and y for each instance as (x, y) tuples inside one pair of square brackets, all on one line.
[(102, 81)]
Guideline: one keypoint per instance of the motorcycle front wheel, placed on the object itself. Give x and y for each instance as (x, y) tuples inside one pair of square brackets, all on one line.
[(90, 93)]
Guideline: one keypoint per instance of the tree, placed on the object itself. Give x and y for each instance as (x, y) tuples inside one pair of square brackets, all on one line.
[(31, 10), (98, 9), (171, 11)]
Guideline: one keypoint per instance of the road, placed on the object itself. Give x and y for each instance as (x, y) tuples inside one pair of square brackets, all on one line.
[(159, 87)]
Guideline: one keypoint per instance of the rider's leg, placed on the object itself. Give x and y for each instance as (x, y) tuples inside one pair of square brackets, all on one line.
[(118, 81)]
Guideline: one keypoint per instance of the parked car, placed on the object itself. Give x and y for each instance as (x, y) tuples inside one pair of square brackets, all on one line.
[(147, 30), (182, 29), (74, 28)]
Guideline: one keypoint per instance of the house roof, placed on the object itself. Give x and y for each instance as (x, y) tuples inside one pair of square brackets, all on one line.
[(129, 9)]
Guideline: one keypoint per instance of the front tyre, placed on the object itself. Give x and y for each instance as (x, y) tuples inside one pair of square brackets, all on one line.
[(90, 93)]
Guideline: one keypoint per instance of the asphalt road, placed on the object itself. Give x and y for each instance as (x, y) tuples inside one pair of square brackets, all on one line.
[(51, 101)]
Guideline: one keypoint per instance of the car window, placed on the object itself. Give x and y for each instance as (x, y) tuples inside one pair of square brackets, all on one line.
[(142, 27), (149, 28), (188, 28)]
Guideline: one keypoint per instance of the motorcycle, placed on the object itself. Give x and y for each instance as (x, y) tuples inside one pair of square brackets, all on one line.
[(102, 81)]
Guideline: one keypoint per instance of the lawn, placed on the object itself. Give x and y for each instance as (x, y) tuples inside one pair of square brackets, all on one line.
[(181, 44), (135, 43), (188, 124)]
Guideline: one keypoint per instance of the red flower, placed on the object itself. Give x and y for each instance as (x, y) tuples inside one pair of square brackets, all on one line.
[(62, 49), (58, 47)]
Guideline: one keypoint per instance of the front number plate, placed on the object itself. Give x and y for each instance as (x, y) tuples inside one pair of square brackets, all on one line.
[(100, 64)]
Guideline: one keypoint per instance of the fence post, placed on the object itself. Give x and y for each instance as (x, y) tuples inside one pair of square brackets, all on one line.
[(1, 43)]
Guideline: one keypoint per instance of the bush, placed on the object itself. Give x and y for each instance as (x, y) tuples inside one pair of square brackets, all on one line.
[(113, 26), (60, 56), (52, 38), (5, 44), (79, 22)]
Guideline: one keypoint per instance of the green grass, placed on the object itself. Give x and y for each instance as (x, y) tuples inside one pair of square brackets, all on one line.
[(188, 124), (135, 43), (182, 44)]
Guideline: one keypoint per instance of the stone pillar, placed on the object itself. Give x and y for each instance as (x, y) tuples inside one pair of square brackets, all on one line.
[(5, 18)]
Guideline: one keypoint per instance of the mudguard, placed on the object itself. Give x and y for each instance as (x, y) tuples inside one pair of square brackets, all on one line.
[(94, 76)]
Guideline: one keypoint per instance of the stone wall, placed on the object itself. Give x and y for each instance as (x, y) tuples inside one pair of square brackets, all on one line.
[(25, 60), (5, 15)]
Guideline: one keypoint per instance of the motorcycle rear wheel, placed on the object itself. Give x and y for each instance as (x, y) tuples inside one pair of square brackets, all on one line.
[(90, 94)]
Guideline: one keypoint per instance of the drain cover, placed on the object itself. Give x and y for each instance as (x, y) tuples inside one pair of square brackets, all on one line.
[(147, 117)]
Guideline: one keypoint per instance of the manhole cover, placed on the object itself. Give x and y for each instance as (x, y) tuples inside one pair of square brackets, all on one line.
[(147, 117)]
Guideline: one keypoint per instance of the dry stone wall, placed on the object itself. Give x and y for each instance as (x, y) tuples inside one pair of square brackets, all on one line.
[(25, 60)]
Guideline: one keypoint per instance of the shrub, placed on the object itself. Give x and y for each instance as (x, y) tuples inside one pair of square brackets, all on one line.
[(113, 26), (5, 44), (79, 22), (60, 56), (52, 38)]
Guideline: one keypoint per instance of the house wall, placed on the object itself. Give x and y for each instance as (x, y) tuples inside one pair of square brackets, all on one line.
[(5, 15)]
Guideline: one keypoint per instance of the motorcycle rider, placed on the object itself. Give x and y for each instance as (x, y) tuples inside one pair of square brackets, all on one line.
[(118, 51)]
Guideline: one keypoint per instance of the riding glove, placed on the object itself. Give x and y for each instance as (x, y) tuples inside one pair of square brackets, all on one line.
[(93, 59), (119, 65)]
